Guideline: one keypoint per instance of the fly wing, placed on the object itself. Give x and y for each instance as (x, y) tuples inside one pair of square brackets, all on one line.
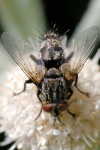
[(81, 48), (21, 53)]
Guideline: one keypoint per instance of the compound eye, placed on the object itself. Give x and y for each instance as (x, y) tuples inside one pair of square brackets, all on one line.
[(63, 106), (47, 108)]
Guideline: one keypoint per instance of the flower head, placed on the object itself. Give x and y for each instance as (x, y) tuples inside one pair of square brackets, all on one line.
[(18, 114)]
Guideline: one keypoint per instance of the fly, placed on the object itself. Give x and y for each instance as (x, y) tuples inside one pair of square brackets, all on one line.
[(55, 69)]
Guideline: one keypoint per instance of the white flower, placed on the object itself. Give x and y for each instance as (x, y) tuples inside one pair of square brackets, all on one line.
[(18, 112)]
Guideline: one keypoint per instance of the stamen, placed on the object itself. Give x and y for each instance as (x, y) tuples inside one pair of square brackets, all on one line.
[(87, 142)]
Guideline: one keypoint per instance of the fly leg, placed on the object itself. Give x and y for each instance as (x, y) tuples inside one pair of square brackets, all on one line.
[(24, 88), (41, 105), (76, 79), (68, 96), (38, 114), (71, 113), (70, 92)]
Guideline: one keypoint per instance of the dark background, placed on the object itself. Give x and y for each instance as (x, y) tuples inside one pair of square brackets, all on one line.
[(66, 14)]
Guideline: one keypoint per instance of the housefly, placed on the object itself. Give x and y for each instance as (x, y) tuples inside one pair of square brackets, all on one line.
[(55, 68)]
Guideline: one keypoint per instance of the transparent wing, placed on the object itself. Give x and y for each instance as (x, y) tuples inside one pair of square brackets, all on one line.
[(21, 52), (81, 48)]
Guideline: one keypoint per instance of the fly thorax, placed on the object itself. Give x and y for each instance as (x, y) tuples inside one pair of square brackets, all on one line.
[(51, 53), (51, 47)]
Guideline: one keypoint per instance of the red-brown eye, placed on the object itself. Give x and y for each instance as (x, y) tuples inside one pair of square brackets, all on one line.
[(63, 106), (47, 108)]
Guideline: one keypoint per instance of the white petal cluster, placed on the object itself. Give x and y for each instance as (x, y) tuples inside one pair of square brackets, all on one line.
[(81, 132)]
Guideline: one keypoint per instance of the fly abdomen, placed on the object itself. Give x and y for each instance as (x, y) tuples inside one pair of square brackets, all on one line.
[(53, 87)]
